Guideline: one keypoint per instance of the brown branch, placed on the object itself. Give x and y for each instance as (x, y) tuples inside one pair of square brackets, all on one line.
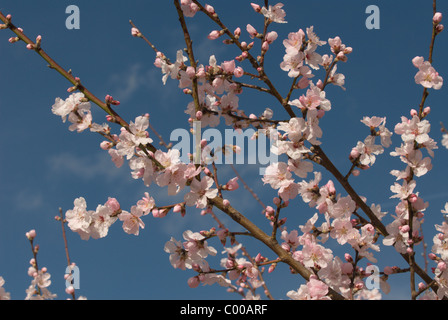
[(61, 218), (269, 242)]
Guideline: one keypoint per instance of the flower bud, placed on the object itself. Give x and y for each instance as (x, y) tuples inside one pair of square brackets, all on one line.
[(209, 9), (238, 72), (113, 204), (135, 32), (31, 234), (194, 282), (432, 256), (215, 34), (354, 154), (70, 290), (256, 7), (348, 257), (437, 17)]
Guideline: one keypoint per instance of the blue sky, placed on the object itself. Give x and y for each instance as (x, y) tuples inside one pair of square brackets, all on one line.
[(44, 166)]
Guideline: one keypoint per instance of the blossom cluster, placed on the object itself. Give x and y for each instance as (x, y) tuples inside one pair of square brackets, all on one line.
[(215, 89), (96, 223)]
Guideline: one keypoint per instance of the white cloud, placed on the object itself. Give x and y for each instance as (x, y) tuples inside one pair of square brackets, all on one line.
[(88, 167)]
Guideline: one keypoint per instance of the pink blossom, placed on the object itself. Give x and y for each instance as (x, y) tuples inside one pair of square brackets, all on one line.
[(427, 76), (437, 17), (131, 221), (295, 40), (228, 66), (317, 289), (274, 13), (252, 31), (277, 175), (199, 192)]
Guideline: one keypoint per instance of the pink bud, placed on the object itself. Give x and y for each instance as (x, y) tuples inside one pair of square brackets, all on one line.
[(270, 211), (177, 208), (209, 9), (194, 282), (271, 37), (156, 213), (437, 17), (113, 204), (215, 34), (330, 187), (404, 229), (199, 115), (427, 110), (441, 266), (432, 256), (439, 28), (70, 290), (190, 71), (232, 184), (413, 112), (226, 203), (135, 32), (276, 201), (238, 72), (348, 257), (413, 198), (354, 154), (30, 46), (341, 56), (251, 30), (106, 145), (31, 234), (265, 46), (421, 286), (237, 32), (256, 7), (356, 173)]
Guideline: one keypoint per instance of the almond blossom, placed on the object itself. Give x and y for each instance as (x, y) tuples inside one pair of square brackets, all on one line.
[(427, 76), (64, 107), (274, 13), (200, 191), (132, 221)]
